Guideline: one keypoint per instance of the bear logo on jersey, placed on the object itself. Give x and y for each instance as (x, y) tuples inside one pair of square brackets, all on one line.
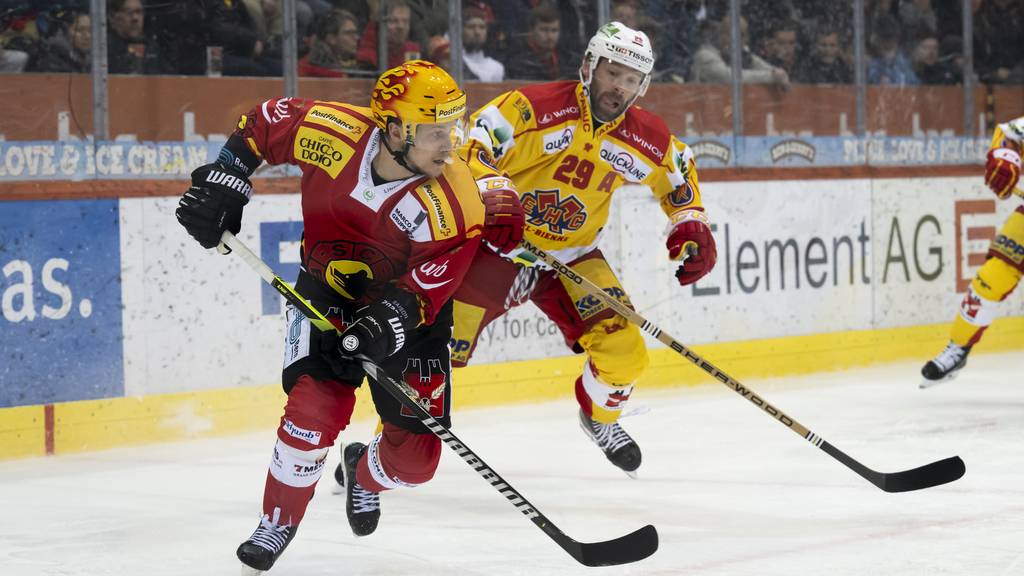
[(546, 208)]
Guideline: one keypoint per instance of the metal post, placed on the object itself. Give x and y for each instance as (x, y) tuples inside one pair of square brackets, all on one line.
[(860, 66), (382, 37), (968, 35), (455, 40), (290, 50), (603, 12), (100, 122), (737, 74)]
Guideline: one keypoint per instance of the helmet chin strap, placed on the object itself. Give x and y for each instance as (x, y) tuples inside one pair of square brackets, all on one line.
[(400, 156)]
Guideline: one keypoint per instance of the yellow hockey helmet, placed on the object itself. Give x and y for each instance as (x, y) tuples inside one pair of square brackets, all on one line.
[(417, 92)]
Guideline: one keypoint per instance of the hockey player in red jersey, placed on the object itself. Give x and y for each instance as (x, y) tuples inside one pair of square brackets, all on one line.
[(391, 226), (567, 146)]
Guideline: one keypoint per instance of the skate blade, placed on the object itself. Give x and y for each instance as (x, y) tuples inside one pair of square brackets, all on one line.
[(632, 474), (249, 571), (926, 383)]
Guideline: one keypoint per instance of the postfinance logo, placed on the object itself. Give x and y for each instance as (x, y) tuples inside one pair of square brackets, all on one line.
[(336, 120), (322, 150)]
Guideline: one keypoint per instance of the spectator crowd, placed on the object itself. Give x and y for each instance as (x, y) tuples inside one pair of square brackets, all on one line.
[(783, 41)]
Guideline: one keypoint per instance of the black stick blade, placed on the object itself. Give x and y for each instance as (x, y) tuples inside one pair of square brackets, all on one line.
[(934, 474), (632, 547), (927, 476)]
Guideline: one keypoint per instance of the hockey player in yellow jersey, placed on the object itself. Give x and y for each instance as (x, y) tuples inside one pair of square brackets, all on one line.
[(567, 147), (1001, 272)]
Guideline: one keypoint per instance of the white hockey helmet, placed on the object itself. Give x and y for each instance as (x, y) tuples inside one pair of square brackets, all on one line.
[(620, 43)]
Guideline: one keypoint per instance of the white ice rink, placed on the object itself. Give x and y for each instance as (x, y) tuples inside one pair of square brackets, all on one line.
[(731, 491)]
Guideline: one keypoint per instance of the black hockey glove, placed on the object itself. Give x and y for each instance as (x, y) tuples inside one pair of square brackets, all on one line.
[(213, 203), (380, 329)]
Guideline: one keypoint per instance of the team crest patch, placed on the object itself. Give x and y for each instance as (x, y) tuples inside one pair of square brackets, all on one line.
[(681, 196), (546, 208), (427, 377)]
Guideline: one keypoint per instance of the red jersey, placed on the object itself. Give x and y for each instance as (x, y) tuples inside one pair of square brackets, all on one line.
[(420, 232)]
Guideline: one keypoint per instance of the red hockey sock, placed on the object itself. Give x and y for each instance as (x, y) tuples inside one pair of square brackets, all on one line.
[(397, 457)]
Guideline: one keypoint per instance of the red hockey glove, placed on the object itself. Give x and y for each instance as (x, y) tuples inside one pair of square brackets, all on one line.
[(1002, 171), (691, 235), (503, 218)]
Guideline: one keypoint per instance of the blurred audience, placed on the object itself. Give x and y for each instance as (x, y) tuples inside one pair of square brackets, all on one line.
[(999, 41), (477, 65), (888, 64), (240, 29), (712, 64), (824, 64), (12, 60), (333, 53), (69, 49), (918, 17), (626, 11), (928, 66), (536, 57), (809, 41), (129, 51), (781, 45), (678, 40), (398, 22)]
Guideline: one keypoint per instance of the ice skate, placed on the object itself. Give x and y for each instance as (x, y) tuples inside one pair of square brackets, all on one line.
[(618, 446), (945, 366), (362, 506), (266, 544)]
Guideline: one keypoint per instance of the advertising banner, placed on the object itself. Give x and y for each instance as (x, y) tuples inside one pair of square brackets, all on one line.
[(78, 160), (60, 298), (109, 298)]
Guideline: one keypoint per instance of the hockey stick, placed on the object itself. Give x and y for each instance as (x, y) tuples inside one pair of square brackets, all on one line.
[(933, 474), (623, 550)]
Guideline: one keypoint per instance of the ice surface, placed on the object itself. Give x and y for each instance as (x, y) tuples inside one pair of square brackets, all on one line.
[(731, 491)]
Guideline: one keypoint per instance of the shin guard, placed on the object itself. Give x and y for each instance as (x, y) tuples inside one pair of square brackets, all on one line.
[(317, 410), (602, 402), (995, 280)]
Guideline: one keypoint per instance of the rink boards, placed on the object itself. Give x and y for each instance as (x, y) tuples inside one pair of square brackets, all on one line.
[(118, 329)]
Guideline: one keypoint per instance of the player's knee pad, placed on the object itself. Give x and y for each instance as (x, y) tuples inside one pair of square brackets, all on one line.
[(397, 457), (295, 467), (316, 411), (617, 351), (601, 401)]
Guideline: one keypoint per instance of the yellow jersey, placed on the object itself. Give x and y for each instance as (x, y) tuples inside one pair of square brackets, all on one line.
[(566, 169)]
